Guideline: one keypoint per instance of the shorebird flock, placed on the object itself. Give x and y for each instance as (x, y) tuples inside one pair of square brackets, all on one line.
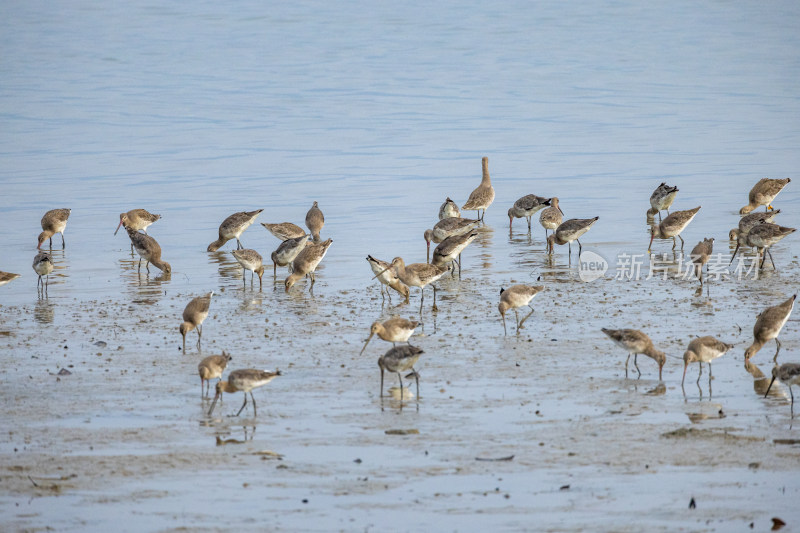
[(302, 252)]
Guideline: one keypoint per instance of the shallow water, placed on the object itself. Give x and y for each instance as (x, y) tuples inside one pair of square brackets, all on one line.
[(379, 113)]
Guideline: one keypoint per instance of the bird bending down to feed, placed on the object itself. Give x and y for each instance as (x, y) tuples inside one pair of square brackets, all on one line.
[(447, 227), (194, 314), (54, 221), (418, 275), (210, 368), (483, 196), (526, 207), (662, 199), (789, 374), (149, 250), (287, 251), (449, 251), (768, 326), (515, 297), (243, 381), (635, 342), (387, 276), (250, 260), (763, 193), (233, 227), (137, 220), (449, 209), (570, 231), (672, 226), (393, 330), (748, 222), (306, 263), (703, 350), (314, 221), (399, 359), (762, 237)]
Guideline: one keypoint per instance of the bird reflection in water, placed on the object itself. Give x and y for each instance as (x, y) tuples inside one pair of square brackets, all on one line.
[(248, 434), (44, 312), (761, 380), (227, 265)]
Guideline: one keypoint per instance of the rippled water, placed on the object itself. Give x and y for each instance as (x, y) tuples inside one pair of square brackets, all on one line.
[(379, 112)]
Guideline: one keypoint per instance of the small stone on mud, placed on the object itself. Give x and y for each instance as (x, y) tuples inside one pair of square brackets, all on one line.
[(64, 372)]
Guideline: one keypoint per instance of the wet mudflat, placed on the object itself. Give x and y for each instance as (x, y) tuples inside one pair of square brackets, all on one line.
[(379, 114), (127, 434)]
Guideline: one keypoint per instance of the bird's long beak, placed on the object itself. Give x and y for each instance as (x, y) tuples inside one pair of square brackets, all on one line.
[(381, 272), (734, 253), (685, 366), (213, 404), (652, 236), (559, 208), (365, 344), (118, 226), (770, 386)]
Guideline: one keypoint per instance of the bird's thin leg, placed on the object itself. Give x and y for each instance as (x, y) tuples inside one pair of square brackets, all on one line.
[(505, 331), (401, 386), (770, 258), (681, 238), (516, 314), (526, 317), (700, 363), (238, 244), (434, 308), (147, 266), (416, 377), (580, 248), (381, 382), (636, 364), (778, 343), (529, 224), (626, 365), (421, 298), (62, 241), (274, 269), (255, 411), (674, 243), (243, 405)]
